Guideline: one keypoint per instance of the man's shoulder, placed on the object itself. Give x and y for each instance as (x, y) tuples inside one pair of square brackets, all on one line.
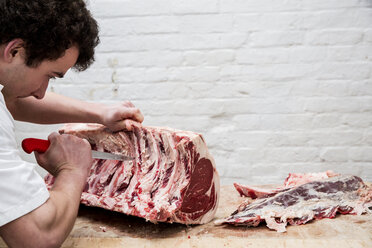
[(7, 133), (6, 118)]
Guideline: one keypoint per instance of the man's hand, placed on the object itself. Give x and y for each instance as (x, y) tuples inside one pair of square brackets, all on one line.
[(66, 152), (121, 116)]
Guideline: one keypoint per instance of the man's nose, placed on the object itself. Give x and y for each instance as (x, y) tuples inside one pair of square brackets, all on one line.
[(40, 93)]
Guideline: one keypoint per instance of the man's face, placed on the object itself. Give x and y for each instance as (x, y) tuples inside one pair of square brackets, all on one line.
[(23, 81)]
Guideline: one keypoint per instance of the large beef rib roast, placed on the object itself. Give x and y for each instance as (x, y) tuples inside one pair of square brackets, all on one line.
[(172, 177)]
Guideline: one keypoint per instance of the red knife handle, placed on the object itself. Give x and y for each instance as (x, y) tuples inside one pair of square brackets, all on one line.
[(30, 144)]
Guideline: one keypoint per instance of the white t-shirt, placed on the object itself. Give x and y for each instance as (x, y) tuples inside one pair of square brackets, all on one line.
[(21, 188)]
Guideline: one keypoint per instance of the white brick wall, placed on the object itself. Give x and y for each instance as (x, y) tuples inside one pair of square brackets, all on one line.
[(275, 86)]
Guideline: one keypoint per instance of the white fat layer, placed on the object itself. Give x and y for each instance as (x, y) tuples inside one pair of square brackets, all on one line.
[(272, 224)]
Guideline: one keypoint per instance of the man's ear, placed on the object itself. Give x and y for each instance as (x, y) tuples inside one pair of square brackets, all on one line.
[(13, 49)]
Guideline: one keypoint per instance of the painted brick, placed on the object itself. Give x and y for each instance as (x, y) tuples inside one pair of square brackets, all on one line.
[(172, 42), (141, 74), (338, 154), (205, 23), (307, 54), (275, 122), (263, 56), (138, 59), (275, 72), (290, 154), (360, 88), (268, 21), (210, 41), (358, 120), (241, 6), (338, 18), (219, 57), (335, 138), (368, 35), (341, 105), (136, 43), (249, 155), (333, 88), (138, 25), (334, 37), (368, 138), (334, 4), (351, 71), (276, 38), (194, 6), (114, 8), (326, 121), (191, 74), (315, 88)]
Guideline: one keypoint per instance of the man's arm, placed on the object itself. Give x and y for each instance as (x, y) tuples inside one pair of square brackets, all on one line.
[(54, 108), (50, 224), (68, 159)]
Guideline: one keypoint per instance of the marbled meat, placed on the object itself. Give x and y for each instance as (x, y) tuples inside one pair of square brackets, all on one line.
[(171, 179)]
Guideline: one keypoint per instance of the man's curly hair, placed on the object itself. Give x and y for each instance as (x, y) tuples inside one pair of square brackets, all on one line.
[(48, 28)]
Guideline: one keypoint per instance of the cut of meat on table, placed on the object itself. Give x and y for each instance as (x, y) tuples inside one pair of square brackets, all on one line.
[(300, 204), (172, 178), (293, 179)]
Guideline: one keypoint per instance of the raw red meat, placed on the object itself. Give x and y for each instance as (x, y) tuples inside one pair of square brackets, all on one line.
[(172, 179), (293, 179), (298, 205)]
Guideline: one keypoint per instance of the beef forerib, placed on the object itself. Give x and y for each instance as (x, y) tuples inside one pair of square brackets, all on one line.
[(300, 204), (172, 178)]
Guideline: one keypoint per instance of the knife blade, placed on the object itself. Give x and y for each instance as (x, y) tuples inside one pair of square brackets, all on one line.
[(31, 144), (112, 156)]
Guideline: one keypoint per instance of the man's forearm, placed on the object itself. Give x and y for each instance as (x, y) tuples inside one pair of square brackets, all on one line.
[(50, 224), (53, 109), (64, 204)]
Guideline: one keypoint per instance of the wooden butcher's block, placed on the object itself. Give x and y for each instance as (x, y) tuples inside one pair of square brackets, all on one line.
[(97, 227)]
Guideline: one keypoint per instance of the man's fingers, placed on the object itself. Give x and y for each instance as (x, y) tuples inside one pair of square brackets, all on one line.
[(139, 116), (131, 113), (126, 124), (129, 124), (53, 136), (128, 104), (120, 125), (119, 117), (136, 115), (40, 159), (134, 112)]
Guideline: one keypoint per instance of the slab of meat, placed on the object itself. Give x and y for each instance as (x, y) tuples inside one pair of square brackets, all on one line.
[(293, 179), (172, 178), (298, 205)]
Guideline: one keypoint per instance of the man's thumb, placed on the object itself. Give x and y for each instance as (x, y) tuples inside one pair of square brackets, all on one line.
[(40, 158)]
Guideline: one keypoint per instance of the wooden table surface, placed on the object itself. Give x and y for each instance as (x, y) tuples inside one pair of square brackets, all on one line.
[(97, 227)]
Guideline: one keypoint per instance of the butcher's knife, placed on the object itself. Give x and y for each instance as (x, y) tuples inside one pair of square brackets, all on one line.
[(31, 144)]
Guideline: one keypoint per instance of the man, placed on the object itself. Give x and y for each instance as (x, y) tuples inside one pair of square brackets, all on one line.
[(40, 40)]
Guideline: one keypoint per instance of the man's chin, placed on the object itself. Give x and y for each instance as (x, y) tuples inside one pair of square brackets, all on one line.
[(24, 96)]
